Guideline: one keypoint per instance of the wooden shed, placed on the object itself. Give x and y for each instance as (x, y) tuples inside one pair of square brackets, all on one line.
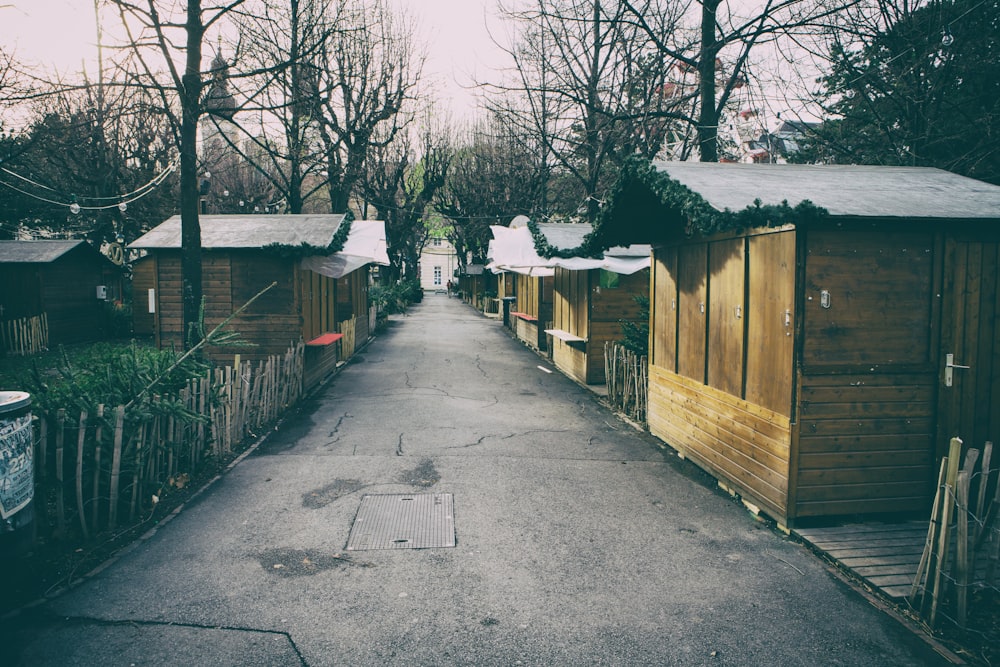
[(591, 291), (67, 281), (319, 262), (818, 333), (525, 280)]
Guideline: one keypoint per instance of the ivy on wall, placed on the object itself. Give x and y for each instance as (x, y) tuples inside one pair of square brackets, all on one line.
[(646, 205)]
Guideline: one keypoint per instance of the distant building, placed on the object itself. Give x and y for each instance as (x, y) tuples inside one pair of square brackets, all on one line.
[(438, 262), (776, 147)]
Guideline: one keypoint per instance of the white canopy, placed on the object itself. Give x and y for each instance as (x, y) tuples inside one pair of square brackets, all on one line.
[(366, 244), (513, 249)]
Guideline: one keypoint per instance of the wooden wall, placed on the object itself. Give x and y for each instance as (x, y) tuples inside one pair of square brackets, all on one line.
[(868, 377), (970, 408), (143, 280), (721, 359), (64, 289), (318, 299), (230, 279), (745, 445), (838, 395), (582, 308), (534, 298)]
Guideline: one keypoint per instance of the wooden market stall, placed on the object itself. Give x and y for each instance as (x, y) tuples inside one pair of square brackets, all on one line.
[(818, 333), (68, 284), (320, 264), (592, 291)]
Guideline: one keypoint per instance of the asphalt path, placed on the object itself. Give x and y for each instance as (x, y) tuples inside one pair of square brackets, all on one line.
[(579, 539)]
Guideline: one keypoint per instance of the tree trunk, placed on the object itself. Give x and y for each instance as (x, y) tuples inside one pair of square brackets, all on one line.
[(708, 117), (190, 225)]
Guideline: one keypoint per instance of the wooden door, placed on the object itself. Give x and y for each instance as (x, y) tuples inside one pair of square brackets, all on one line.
[(969, 360)]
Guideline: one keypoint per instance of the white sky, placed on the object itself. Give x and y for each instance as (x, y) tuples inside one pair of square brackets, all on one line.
[(62, 33)]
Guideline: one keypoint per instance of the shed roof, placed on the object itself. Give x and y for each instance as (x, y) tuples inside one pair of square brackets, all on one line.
[(843, 190), (658, 201), (35, 252), (247, 231)]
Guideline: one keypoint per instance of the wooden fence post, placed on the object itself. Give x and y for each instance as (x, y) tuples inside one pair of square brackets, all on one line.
[(60, 500), (81, 439), (116, 465), (98, 433)]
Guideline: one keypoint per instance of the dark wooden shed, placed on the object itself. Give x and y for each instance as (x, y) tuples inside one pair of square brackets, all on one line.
[(818, 333), (319, 262), (69, 281), (592, 291)]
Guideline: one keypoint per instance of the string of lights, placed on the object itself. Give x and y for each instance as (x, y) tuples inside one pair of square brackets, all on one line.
[(120, 202)]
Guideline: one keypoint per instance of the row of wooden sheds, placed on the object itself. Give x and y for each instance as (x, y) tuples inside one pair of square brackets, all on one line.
[(817, 333)]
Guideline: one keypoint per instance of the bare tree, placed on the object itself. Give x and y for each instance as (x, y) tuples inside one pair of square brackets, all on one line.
[(728, 33), (273, 126), (587, 86), (373, 65), (400, 181), (167, 42), (496, 175)]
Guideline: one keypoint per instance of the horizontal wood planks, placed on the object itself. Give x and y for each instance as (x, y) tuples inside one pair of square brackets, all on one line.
[(885, 555), (878, 309), (746, 445), (865, 444)]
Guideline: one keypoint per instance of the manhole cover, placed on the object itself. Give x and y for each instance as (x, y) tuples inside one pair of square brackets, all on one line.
[(404, 521)]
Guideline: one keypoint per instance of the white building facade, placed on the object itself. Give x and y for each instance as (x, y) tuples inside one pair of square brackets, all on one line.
[(438, 262)]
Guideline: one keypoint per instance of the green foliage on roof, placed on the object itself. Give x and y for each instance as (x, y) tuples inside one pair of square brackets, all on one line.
[(645, 204), (590, 247), (303, 250)]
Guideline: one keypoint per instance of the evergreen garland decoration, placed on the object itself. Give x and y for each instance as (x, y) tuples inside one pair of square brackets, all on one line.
[(646, 205), (304, 250), (590, 248)]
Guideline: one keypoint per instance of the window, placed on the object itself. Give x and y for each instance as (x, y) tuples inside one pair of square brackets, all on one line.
[(437, 275), (609, 279), (436, 242)]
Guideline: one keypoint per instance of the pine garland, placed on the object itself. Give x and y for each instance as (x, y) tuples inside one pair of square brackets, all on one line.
[(645, 200), (590, 247), (308, 250)]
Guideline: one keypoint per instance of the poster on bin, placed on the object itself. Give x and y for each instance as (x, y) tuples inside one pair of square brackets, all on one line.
[(16, 468)]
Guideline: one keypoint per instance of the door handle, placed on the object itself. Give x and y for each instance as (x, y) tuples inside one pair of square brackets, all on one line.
[(949, 369)]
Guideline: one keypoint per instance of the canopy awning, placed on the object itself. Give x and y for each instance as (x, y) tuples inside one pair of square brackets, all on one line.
[(513, 249), (366, 244)]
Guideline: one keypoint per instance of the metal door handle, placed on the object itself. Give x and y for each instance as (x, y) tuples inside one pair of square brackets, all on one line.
[(949, 366)]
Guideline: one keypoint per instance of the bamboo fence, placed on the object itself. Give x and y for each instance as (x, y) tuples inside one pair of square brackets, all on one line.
[(97, 472), (348, 342), (627, 377), (24, 336), (962, 550)]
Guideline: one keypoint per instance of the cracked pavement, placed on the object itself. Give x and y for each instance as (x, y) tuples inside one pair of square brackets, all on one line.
[(579, 539)]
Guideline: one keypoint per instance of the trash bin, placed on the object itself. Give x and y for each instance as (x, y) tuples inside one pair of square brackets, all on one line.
[(17, 473), (507, 301)]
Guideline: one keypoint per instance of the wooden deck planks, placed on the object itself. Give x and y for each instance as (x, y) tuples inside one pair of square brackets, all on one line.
[(884, 555)]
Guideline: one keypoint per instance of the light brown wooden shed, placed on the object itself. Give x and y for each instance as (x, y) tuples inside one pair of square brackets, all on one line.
[(319, 262), (818, 333)]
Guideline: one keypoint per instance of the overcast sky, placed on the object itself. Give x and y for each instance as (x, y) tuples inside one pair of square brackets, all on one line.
[(62, 33)]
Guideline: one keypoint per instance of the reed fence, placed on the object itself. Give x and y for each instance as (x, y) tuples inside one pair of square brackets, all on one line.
[(349, 342), (25, 336), (962, 551), (627, 377), (493, 307), (96, 472)]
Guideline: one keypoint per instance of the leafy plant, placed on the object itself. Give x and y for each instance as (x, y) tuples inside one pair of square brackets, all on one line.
[(637, 331)]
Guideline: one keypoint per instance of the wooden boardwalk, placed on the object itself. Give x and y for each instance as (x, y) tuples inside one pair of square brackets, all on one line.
[(885, 555)]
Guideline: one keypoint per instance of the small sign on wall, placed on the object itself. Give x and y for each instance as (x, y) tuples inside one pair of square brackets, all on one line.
[(151, 296)]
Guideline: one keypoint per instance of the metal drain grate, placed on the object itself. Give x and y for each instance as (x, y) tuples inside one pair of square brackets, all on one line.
[(404, 521)]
